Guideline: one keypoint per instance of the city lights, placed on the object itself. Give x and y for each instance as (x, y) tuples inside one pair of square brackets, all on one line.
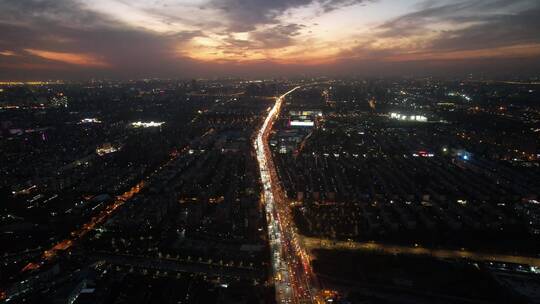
[(90, 120), (151, 124), (281, 190), (398, 116)]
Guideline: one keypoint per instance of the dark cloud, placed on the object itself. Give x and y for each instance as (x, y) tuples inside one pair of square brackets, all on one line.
[(418, 21), (63, 13), (277, 36), (67, 26), (274, 37), (485, 24), (64, 26), (245, 15), (477, 29), (494, 31), (332, 5)]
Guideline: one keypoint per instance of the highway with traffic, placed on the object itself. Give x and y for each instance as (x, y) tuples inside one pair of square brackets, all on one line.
[(292, 274)]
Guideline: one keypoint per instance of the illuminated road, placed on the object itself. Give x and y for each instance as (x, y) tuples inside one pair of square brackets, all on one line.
[(96, 220), (76, 235), (319, 243), (292, 274)]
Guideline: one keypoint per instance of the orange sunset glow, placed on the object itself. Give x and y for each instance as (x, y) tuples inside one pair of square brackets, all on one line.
[(76, 59), (167, 37)]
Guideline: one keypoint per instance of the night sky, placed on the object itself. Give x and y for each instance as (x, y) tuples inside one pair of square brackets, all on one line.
[(77, 39)]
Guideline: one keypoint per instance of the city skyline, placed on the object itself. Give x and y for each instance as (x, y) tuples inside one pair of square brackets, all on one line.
[(79, 39)]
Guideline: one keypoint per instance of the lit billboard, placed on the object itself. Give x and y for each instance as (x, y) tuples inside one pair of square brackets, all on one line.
[(297, 123)]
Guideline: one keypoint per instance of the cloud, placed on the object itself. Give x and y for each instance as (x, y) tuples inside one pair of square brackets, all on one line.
[(454, 30), (493, 31), (332, 5), (246, 15), (131, 38), (65, 13), (517, 51), (7, 53), (41, 31), (71, 58), (277, 36), (465, 25)]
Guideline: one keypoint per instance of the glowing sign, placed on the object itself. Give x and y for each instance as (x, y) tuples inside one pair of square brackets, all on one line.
[(296, 123)]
